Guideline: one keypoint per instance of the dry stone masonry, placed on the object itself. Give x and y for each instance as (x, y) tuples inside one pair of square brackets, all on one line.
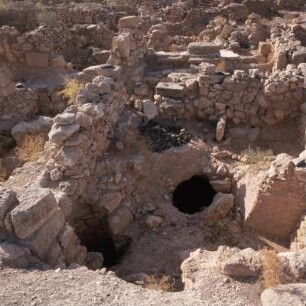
[(164, 141)]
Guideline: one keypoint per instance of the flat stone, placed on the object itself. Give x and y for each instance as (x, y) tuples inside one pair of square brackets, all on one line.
[(131, 22), (228, 54), (60, 133), (203, 48), (37, 205), (65, 118), (171, 90), (68, 156)]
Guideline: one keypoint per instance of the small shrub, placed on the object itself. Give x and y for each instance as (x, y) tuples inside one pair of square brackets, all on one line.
[(271, 274), (47, 18), (163, 283), (31, 147), (72, 89)]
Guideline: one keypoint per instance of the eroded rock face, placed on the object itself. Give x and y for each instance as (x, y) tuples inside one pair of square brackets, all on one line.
[(291, 294), (245, 263), (267, 205)]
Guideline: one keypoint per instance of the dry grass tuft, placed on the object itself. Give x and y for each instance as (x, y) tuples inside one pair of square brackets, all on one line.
[(72, 89), (160, 283), (272, 273), (31, 147), (257, 155)]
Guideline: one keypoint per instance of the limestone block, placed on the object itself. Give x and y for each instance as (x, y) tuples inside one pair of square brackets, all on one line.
[(119, 220), (220, 207), (245, 263), (299, 56), (59, 133), (37, 205), (220, 129), (68, 156), (64, 202), (149, 109), (203, 48), (131, 22), (67, 237), (223, 186), (8, 201), (123, 44), (40, 242), (14, 256), (171, 90), (65, 118), (274, 200), (84, 120)]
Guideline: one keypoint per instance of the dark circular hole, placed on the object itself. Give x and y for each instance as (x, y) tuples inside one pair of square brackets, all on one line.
[(193, 195), (104, 243)]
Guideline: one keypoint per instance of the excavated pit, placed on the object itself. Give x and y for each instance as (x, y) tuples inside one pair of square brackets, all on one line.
[(193, 195), (164, 134), (99, 239)]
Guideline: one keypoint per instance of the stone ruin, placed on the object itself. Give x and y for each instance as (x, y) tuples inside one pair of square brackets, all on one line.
[(191, 117)]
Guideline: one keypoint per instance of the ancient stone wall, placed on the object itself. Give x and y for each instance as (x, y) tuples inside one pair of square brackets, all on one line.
[(241, 97), (76, 141)]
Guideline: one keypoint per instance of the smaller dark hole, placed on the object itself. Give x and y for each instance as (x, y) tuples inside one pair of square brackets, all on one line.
[(104, 243)]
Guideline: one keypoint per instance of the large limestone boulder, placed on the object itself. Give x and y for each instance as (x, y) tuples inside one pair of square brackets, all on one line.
[(273, 200), (15, 256), (37, 205)]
